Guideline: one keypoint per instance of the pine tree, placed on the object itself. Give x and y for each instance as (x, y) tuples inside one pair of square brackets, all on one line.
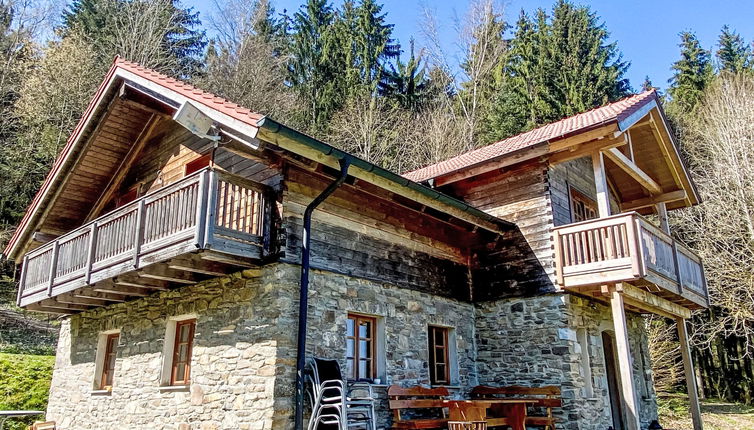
[(734, 54), (407, 83), (157, 33), (692, 73), (556, 67), (374, 43), (316, 64)]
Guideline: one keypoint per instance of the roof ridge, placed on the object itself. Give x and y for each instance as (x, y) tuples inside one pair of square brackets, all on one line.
[(545, 132)]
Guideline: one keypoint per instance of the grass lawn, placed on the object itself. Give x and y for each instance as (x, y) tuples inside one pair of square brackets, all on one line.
[(24, 384), (716, 414)]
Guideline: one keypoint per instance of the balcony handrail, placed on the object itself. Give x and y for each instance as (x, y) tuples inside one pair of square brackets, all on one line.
[(182, 211), (625, 247)]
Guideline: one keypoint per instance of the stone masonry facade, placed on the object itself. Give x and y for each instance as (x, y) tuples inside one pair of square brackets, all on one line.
[(243, 363)]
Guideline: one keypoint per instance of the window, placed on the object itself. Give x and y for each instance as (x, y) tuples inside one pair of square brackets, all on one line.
[(361, 347), (107, 352), (108, 367), (184, 338), (439, 356), (198, 164), (586, 365), (582, 207)]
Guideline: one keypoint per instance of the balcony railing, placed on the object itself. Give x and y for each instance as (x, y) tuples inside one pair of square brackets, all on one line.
[(206, 210), (625, 248)]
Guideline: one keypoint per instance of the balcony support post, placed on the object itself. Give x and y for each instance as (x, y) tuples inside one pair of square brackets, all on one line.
[(22, 281), (201, 209), (625, 368), (138, 233), (212, 195), (662, 214), (91, 252), (53, 267), (600, 182), (688, 371)]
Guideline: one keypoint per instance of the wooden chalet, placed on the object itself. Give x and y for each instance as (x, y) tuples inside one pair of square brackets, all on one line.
[(164, 192)]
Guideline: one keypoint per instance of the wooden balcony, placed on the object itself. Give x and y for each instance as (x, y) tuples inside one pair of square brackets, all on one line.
[(207, 224), (628, 248)]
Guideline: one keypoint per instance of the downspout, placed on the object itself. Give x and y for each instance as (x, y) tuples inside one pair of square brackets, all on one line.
[(303, 305)]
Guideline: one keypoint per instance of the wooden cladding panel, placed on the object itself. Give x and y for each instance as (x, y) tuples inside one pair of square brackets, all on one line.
[(358, 234), (520, 263)]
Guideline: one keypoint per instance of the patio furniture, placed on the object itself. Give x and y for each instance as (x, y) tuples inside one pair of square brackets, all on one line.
[(6, 415), (545, 398), (467, 425), (418, 407), (505, 412), (326, 393), (360, 406)]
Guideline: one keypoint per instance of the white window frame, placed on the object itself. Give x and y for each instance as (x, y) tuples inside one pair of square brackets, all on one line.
[(99, 361), (169, 345), (585, 364)]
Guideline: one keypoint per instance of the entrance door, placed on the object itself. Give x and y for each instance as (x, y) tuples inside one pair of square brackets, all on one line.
[(616, 410)]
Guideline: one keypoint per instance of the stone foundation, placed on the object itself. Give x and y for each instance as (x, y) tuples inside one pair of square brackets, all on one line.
[(243, 363)]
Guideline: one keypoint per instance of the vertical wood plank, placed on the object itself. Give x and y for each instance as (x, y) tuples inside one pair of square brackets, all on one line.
[(688, 371), (90, 252), (201, 209), (559, 263), (662, 214), (624, 360), (22, 281), (600, 182), (139, 232), (212, 209), (53, 267)]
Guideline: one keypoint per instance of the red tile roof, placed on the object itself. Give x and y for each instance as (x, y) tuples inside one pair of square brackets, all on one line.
[(616, 111), (191, 92)]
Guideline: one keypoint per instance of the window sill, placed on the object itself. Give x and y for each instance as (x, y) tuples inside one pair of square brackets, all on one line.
[(101, 392), (175, 388)]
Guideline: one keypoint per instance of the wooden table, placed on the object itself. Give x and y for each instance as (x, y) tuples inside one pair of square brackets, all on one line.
[(510, 412)]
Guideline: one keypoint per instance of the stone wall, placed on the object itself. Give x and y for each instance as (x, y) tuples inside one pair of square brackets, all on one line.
[(240, 338), (535, 342)]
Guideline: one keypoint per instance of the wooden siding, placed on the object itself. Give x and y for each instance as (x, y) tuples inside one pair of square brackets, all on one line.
[(521, 262), (368, 236)]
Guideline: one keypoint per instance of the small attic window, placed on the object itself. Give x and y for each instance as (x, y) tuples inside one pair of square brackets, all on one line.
[(198, 163)]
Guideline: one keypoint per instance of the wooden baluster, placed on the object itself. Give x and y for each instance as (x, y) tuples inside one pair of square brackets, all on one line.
[(559, 263), (677, 266), (265, 202), (90, 253), (53, 267)]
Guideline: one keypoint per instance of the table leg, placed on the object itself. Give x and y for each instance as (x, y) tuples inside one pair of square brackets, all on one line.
[(516, 414)]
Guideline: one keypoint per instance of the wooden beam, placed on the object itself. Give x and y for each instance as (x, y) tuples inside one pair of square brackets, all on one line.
[(653, 200), (600, 182), (490, 165), (198, 266), (653, 303), (585, 150), (663, 144), (138, 282), (108, 287), (557, 145), (70, 298), (123, 169), (688, 371), (633, 171), (228, 259), (662, 214), (53, 304), (625, 366), (163, 273), (41, 237), (88, 293)]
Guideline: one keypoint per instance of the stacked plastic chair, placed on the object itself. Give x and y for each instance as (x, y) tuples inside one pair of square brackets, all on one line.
[(335, 405), (360, 406), (326, 393)]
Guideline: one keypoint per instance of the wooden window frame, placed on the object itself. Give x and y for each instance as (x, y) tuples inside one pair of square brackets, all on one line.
[(204, 160), (108, 361), (574, 196), (434, 377), (184, 379), (356, 338)]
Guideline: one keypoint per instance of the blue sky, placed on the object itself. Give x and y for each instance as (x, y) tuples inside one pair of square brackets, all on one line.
[(646, 30)]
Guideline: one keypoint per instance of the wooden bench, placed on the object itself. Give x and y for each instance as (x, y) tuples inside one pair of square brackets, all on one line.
[(418, 401), (545, 398)]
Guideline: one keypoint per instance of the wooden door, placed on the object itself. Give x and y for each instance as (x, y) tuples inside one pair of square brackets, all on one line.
[(613, 383)]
